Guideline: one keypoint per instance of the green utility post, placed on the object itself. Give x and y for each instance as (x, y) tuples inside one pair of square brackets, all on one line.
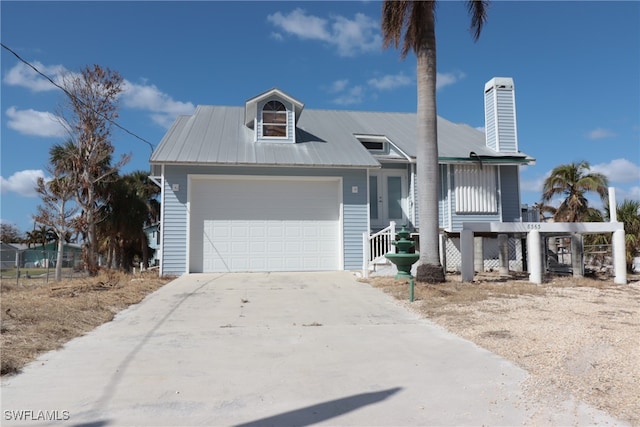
[(404, 259)]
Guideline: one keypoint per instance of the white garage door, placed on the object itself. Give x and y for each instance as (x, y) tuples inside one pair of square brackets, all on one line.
[(264, 224)]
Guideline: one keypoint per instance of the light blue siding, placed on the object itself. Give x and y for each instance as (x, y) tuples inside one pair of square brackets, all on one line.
[(174, 227), (510, 193), (490, 118), (506, 121)]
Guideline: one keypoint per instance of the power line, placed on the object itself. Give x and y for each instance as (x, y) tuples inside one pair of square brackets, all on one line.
[(72, 96)]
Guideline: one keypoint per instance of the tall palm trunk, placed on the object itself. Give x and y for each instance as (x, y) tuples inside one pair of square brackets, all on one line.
[(429, 267)]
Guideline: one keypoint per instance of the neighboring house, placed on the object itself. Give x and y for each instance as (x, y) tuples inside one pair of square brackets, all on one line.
[(153, 237), (38, 256), (272, 187)]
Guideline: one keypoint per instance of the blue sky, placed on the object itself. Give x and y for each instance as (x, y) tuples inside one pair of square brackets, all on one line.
[(576, 67)]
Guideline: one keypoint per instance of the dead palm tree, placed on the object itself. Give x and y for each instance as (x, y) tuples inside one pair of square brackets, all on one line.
[(572, 182), (413, 24)]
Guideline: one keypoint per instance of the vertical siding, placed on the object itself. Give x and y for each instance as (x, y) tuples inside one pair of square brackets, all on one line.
[(476, 189), (355, 209), (458, 218), (490, 118), (510, 193), (506, 121), (500, 118), (443, 199)]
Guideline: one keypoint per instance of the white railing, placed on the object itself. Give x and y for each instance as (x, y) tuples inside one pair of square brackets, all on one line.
[(376, 246)]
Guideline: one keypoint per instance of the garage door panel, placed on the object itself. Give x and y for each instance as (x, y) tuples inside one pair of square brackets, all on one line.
[(270, 200), (264, 225)]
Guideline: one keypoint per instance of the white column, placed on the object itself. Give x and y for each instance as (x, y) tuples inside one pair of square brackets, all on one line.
[(577, 262), (619, 258), (443, 251), (535, 256), (478, 254), (466, 252), (365, 254), (613, 207), (503, 254)]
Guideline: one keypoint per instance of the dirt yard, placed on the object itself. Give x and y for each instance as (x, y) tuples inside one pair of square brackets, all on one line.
[(573, 336), (38, 317)]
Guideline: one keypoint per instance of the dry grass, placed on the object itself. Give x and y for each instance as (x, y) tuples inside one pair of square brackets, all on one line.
[(434, 297), (39, 318), (573, 336)]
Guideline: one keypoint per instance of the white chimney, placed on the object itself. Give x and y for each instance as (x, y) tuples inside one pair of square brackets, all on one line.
[(500, 115)]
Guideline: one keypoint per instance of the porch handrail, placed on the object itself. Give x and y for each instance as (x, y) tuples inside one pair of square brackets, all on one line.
[(377, 245)]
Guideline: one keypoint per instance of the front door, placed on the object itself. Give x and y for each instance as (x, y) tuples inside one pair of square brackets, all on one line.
[(387, 197)]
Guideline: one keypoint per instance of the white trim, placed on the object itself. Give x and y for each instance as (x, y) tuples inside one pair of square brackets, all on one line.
[(499, 194), (450, 201), (340, 224), (275, 165), (368, 203), (543, 227), (383, 211), (162, 227), (412, 193), (204, 177), (383, 139)]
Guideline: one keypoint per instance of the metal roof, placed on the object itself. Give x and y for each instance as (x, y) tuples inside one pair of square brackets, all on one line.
[(325, 138)]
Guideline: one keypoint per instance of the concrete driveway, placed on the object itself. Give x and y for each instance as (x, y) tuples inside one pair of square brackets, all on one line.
[(278, 349)]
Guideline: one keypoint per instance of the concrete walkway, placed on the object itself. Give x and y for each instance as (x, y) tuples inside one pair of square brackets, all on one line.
[(279, 349)]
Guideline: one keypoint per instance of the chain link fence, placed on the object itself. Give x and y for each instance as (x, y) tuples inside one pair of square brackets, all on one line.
[(33, 266), (491, 253)]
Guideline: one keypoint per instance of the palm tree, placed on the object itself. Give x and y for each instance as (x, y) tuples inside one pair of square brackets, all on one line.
[(573, 181), (628, 212), (416, 19), (125, 215)]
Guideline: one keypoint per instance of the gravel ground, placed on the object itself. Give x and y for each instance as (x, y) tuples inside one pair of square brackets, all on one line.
[(575, 339)]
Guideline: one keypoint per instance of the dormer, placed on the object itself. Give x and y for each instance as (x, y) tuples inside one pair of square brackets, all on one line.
[(273, 116), (381, 147)]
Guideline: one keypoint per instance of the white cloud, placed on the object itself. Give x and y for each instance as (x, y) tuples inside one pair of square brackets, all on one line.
[(36, 123), (619, 170), (447, 79), (533, 185), (349, 36), (601, 133), (391, 81), (354, 95), (22, 182), (633, 193), (164, 109), (25, 76), (339, 85)]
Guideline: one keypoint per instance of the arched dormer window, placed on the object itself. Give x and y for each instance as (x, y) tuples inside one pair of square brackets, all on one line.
[(274, 120)]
